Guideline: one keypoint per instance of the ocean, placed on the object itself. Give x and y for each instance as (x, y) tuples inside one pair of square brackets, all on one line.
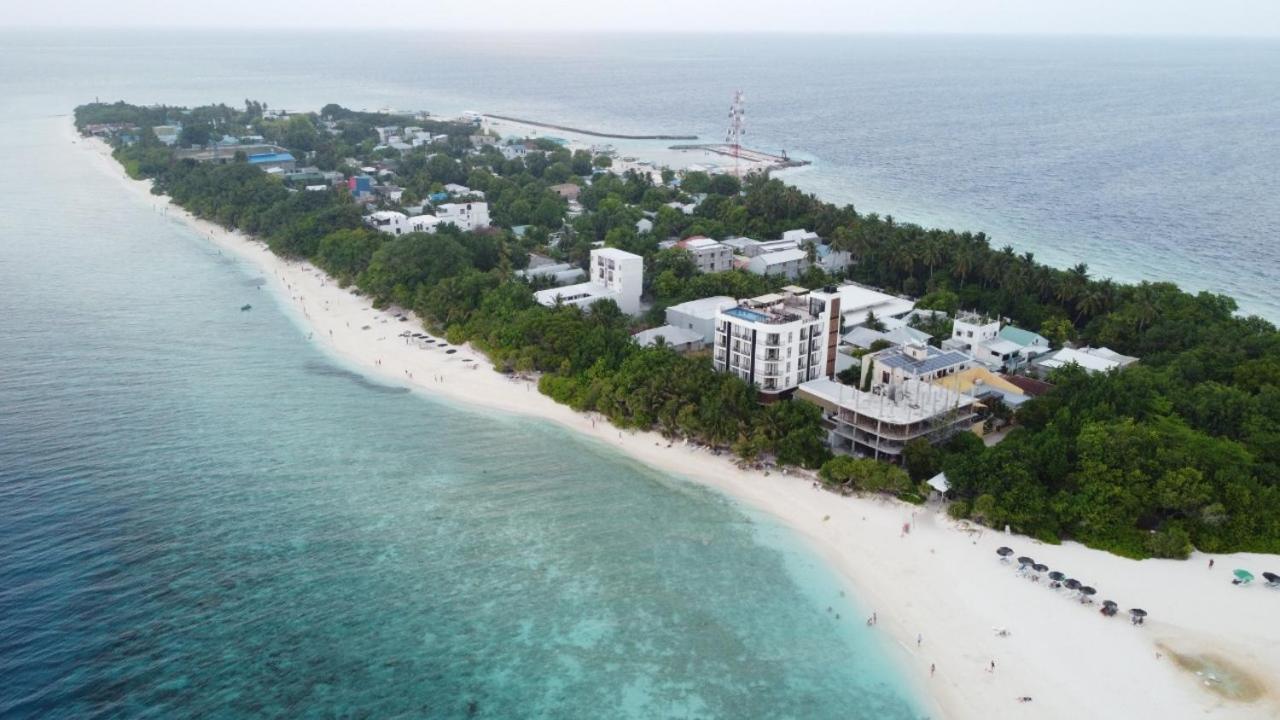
[(203, 515), (1146, 158)]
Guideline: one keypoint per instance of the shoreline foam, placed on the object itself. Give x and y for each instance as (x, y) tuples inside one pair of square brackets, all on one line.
[(941, 581)]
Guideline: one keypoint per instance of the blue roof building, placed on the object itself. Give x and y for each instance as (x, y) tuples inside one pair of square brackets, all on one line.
[(273, 159)]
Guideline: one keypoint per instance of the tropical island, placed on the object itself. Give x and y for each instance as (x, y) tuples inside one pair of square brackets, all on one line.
[(1139, 419), (824, 374)]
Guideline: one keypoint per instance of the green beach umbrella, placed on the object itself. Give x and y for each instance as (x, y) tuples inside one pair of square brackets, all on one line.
[(1244, 576)]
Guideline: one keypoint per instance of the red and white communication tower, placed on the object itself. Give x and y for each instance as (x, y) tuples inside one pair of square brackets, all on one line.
[(737, 126)]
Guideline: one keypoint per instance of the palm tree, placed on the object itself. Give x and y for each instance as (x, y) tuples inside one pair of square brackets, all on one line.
[(1095, 299), (963, 261), (931, 253), (1144, 306)]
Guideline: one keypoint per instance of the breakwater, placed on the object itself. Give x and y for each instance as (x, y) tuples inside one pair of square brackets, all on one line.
[(592, 133)]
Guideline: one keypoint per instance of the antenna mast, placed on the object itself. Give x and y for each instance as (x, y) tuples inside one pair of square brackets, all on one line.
[(737, 127)]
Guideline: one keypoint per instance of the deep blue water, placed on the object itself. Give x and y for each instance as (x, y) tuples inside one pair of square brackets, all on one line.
[(1146, 158), (201, 515)]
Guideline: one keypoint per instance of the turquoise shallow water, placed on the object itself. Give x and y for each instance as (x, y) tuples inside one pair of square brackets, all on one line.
[(203, 516)]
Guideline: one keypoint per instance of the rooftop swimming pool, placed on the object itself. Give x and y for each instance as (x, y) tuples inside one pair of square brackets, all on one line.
[(747, 314)]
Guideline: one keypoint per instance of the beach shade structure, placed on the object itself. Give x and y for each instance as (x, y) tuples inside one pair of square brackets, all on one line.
[(1024, 560), (1057, 576), (1085, 589), (1071, 584), (1040, 567), (1243, 577), (1137, 615), (1004, 552), (1273, 580), (1109, 608)]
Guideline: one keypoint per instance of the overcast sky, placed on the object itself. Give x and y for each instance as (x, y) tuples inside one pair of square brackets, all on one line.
[(1164, 17)]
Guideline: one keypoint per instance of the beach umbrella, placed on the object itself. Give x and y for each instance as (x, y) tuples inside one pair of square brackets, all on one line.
[(1271, 577), (1024, 560), (1004, 551), (1057, 576), (1071, 584), (1138, 612), (1088, 590), (1243, 576), (1110, 604), (1039, 567)]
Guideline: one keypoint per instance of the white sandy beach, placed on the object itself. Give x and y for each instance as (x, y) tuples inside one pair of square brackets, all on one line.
[(940, 581)]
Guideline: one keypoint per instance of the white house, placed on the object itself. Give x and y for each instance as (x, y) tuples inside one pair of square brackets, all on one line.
[(1093, 360), (991, 345), (679, 339), (514, 152), (423, 223), (467, 216), (801, 237), (644, 225), (710, 256), (778, 341), (830, 260), (749, 248), (787, 263), (614, 274), (388, 221), (559, 273), (699, 315), (857, 302), (864, 337)]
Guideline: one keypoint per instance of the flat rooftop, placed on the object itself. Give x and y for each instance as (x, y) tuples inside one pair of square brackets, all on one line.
[(903, 404), (703, 307), (858, 300), (934, 360)]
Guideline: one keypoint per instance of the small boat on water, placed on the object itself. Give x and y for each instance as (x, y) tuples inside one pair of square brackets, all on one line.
[(245, 307)]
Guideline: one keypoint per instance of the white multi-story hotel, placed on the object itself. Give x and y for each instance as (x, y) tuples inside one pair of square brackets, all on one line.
[(778, 341), (615, 275)]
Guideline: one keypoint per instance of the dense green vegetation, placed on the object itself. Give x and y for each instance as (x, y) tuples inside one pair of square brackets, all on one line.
[(461, 283), (1182, 450)]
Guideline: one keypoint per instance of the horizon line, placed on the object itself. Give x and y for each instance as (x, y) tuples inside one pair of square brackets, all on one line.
[(437, 30)]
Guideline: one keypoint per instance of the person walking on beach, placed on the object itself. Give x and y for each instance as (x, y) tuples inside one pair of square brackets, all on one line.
[(932, 669), (919, 639), (992, 670), (1210, 563)]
